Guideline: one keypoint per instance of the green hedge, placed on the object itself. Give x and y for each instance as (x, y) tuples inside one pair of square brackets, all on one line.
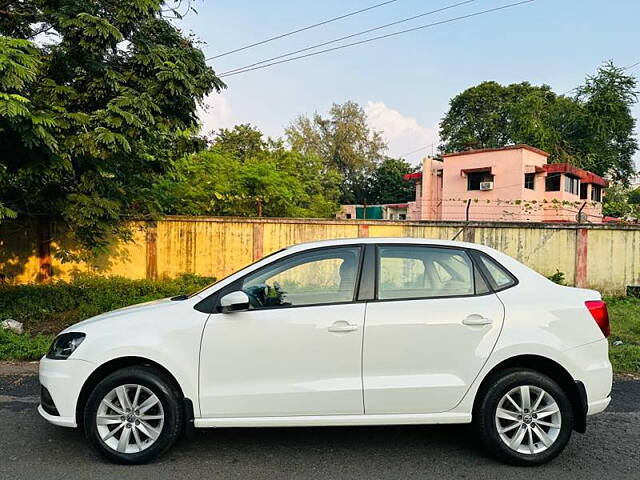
[(23, 347), (48, 308)]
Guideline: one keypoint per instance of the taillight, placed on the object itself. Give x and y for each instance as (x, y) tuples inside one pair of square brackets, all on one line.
[(598, 310)]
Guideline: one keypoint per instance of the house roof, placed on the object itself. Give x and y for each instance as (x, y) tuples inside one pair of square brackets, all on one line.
[(397, 205), (584, 175), (500, 149), (413, 176)]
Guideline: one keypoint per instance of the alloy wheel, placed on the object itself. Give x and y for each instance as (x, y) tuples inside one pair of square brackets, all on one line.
[(528, 419), (130, 418)]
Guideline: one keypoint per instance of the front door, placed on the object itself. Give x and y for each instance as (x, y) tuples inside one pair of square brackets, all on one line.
[(297, 350), (429, 332)]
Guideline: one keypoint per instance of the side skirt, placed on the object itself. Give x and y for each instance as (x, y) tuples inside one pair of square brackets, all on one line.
[(335, 420)]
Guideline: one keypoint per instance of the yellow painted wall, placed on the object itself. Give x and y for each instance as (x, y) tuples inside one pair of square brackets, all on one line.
[(545, 250), (613, 259), (219, 246), (279, 235)]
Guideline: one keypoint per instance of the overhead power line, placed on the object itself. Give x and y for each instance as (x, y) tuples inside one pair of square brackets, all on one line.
[(632, 66), (323, 44), (293, 32), (401, 32), (417, 150)]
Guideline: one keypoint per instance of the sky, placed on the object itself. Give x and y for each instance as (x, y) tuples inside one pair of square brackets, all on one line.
[(404, 82)]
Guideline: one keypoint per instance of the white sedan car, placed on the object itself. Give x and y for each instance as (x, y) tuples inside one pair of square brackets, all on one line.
[(342, 332)]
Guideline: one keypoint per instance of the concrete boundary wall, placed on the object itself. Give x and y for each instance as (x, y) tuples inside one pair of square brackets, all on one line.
[(604, 257)]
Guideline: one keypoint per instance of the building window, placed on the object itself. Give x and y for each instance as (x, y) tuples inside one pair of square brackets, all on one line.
[(596, 193), (583, 191), (403, 216), (348, 216), (475, 179), (571, 184), (552, 182), (530, 181)]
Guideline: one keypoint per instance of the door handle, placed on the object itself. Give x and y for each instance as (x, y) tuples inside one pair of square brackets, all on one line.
[(342, 326), (477, 320)]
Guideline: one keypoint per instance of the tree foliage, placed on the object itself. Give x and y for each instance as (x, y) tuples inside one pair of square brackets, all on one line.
[(387, 183), (97, 99), (622, 202), (593, 129), (344, 142), (243, 174)]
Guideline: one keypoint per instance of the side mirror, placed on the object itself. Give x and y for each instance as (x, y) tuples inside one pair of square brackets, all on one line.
[(234, 302)]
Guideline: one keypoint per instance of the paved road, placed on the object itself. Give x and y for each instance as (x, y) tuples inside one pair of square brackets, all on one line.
[(31, 449)]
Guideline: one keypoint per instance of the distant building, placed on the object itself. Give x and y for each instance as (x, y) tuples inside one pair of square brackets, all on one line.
[(513, 183), (390, 211)]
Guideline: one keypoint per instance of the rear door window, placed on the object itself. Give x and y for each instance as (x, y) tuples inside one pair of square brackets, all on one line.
[(498, 275), (415, 271)]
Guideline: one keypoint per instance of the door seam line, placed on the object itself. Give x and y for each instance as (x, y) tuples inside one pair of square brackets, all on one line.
[(364, 329)]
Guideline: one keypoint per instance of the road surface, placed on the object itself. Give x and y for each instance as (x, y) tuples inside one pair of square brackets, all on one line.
[(30, 448)]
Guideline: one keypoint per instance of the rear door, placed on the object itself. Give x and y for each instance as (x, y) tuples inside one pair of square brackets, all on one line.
[(429, 331)]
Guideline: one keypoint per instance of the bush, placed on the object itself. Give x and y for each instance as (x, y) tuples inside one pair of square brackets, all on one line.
[(23, 347), (558, 278), (48, 308)]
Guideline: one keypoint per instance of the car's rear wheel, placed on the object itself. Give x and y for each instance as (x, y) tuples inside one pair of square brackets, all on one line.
[(524, 417), (134, 415)]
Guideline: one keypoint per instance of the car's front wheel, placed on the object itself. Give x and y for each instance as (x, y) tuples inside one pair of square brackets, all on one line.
[(134, 415), (524, 417)]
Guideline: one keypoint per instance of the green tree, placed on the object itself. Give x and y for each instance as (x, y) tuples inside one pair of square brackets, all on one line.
[(608, 141), (95, 111), (594, 129), (246, 175), (387, 184), (344, 142), (621, 202), (243, 141)]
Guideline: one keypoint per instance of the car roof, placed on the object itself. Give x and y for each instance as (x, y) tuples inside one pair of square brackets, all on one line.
[(387, 240)]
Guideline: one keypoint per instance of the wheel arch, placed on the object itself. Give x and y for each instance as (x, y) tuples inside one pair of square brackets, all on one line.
[(110, 367), (574, 389)]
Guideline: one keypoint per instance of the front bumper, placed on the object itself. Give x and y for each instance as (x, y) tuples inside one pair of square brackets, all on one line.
[(63, 379)]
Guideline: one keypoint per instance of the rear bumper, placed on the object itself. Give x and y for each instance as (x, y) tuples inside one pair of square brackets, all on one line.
[(590, 365), (598, 406)]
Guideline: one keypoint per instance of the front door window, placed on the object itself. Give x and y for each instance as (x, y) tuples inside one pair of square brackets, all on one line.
[(323, 277)]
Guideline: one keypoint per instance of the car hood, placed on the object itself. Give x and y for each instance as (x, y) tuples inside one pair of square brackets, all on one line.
[(130, 311)]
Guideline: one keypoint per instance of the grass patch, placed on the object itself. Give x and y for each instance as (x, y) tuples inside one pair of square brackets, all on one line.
[(23, 347), (48, 308), (624, 315)]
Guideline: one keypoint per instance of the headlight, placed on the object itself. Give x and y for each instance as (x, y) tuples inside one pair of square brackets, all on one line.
[(64, 345)]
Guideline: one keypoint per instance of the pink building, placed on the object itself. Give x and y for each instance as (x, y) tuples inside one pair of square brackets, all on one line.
[(513, 183)]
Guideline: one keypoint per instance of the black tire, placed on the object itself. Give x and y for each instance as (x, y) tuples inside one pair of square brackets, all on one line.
[(486, 408), (170, 399)]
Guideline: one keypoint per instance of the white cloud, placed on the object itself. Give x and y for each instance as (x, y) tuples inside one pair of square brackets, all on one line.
[(403, 134), (216, 113)]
